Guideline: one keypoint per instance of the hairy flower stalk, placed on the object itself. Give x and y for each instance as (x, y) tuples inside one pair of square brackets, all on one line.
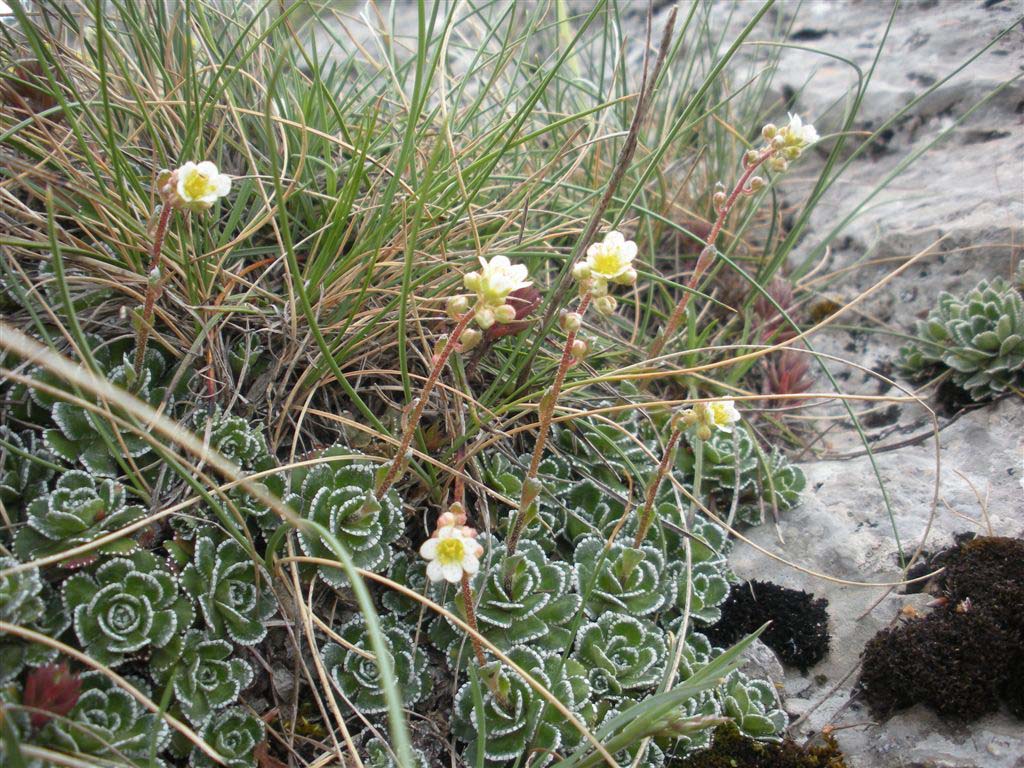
[(610, 261), (647, 513), (705, 417), (192, 187), (782, 145), (492, 285), (420, 404)]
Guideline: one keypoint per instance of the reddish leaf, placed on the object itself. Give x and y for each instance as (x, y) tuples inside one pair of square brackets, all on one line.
[(525, 300), (51, 688)]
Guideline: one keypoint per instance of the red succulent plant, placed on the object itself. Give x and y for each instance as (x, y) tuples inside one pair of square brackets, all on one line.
[(50, 689)]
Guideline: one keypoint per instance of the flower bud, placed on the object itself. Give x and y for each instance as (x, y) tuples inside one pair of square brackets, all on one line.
[(704, 432), (457, 306), (472, 281), (581, 270), (756, 184), (627, 278), (684, 419), (458, 512), (154, 276), (470, 338), (605, 305), (778, 141), (598, 288), (506, 313), (769, 131), (718, 199), (485, 317), (778, 164), (750, 157), (570, 321), (579, 349), (792, 153)]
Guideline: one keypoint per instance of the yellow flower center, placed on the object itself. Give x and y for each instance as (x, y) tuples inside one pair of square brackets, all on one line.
[(450, 552), (197, 184), (606, 262)]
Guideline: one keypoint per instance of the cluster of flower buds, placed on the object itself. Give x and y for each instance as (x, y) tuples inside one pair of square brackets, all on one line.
[(452, 551), (610, 261), (706, 417), (193, 187), (492, 285), (787, 142)]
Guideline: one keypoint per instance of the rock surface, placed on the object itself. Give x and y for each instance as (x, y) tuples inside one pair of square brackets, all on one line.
[(964, 197)]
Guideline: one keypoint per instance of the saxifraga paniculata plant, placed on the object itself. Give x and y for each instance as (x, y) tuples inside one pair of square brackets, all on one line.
[(234, 597), (27, 601), (979, 338), (356, 674), (126, 605), (339, 495)]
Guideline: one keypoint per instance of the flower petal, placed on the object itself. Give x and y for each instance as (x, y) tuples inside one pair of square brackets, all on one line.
[(428, 550), (434, 571), (452, 572)]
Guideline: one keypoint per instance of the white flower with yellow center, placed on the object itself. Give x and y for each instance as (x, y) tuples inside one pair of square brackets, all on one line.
[(612, 259), (721, 414), (797, 135), (496, 279), (197, 186), (451, 552)]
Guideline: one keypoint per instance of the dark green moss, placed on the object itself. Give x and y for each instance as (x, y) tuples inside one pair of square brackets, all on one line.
[(798, 632), (731, 749), (964, 657)]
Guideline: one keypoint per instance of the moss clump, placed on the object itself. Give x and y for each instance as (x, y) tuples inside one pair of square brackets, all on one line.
[(731, 749), (798, 632), (962, 658)]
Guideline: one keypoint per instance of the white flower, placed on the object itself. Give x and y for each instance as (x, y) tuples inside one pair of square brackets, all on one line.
[(450, 552), (612, 259), (197, 186), (721, 414), (797, 134), (496, 279)]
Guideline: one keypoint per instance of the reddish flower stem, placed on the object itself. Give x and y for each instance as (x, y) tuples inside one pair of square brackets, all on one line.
[(152, 290), (647, 513), (705, 260), (394, 470), (547, 411), (467, 598)]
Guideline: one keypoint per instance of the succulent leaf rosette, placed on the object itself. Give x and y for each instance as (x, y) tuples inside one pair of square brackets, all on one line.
[(410, 572), (379, 754), (129, 604), (78, 510), (25, 466), (536, 611), (339, 495), (85, 437), (709, 589), (235, 597), (27, 601), (623, 579), (979, 337), (232, 437), (358, 677), (556, 478), (206, 675), (611, 451), (510, 706), (753, 705), (108, 722), (234, 735), (623, 654)]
